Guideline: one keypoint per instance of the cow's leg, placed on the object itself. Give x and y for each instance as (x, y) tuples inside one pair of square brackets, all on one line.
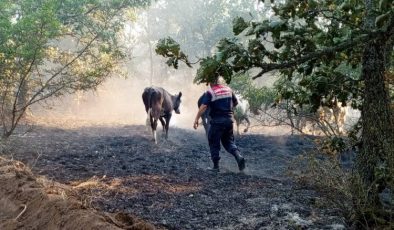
[(154, 130), (148, 121), (168, 118), (153, 122), (237, 123), (247, 124), (163, 123)]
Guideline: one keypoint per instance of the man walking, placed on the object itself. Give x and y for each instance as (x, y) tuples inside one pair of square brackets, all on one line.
[(206, 119), (221, 101)]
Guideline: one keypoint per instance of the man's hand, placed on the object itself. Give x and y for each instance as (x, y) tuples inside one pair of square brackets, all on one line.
[(201, 110), (195, 125)]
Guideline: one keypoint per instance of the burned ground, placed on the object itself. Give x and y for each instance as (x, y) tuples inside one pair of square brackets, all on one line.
[(118, 169)]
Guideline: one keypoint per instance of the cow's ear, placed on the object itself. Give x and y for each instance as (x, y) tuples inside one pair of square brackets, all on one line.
[(180, 94)]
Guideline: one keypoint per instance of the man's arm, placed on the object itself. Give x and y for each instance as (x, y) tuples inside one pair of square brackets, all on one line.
[(201, 110)]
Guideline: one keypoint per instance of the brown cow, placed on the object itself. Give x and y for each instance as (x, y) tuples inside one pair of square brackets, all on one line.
[(159, 105)]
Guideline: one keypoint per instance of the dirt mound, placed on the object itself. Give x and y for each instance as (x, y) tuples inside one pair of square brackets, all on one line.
[(28, 202)]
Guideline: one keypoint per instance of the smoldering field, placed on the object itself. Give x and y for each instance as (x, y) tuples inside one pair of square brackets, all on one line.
[(96, 143), (99, 146)]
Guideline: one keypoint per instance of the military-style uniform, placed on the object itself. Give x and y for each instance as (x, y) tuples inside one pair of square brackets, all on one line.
[(206, 119), (221, 100)]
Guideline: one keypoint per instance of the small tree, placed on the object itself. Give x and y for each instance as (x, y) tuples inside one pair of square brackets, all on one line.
[(49, 48)]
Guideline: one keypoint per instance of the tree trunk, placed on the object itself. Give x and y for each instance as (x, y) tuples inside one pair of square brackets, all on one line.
[(374, 162), (150, 62)]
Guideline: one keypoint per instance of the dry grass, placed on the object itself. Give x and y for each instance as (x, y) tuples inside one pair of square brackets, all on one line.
[(325, 174)]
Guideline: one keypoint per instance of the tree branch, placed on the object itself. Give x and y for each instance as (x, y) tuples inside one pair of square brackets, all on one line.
[(267, 67), (62, 69)]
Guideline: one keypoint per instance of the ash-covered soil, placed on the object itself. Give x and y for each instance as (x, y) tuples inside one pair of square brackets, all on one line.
[(119, 169)]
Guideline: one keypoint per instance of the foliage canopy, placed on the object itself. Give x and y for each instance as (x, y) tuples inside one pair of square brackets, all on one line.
[(49, 47)]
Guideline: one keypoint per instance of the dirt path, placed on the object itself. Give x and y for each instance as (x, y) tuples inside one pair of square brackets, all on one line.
[(118, 169)]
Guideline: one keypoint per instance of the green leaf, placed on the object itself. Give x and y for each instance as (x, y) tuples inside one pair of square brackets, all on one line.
[(312, 3), (346, 5), (239, 25), (210, 69), (381, 20), (275, 24), (170, 49), (167, 47)]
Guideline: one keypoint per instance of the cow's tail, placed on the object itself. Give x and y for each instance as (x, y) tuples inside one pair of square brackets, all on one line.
[(154, 107)]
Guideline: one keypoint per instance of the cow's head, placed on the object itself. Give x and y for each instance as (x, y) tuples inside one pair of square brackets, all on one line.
[(177, 103)]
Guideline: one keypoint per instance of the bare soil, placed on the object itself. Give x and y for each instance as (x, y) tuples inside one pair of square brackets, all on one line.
[(117, 170), (30, 202)]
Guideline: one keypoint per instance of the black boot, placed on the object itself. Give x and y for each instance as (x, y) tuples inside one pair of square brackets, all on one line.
[(240, 160), (215, 166)]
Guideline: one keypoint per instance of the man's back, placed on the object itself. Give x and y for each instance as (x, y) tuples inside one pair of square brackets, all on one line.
[(221, 100)]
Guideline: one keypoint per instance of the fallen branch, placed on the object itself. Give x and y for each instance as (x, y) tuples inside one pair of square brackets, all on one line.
[(21, 213)]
